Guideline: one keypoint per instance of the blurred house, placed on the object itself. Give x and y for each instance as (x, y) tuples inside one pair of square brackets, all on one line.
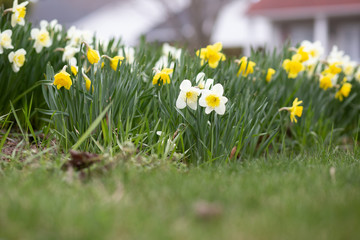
[(333, 22), (162, 21)]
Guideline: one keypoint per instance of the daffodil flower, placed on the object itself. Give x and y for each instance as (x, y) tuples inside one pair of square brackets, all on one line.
[(333, 69), (211, 54), (62, 79), (73, 66), (357, 75), (87, 82), (92, 55), (115, 61), (213, 100), (42, 39), (269, 74), (343, 92), (201, 83), (19, 12), (128, 53), (295, 110), (5, 40), (326, 81), (304, 54), (293, 67), (246, 66), (162, 77), (69, 52), (17, 59), (187, 96)]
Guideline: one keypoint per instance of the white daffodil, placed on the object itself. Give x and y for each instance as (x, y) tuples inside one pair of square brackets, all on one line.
[(173, 51), (69, 52), (201, 83), (5, 40), (19, 12), (77, 36), (41, 37), (348, 66), (213, 100), (187, 96), (128, 53), (315, 51), (357, 75), (17, 59)]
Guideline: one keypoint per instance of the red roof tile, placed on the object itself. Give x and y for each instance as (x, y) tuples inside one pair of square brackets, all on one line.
[(265, 6)]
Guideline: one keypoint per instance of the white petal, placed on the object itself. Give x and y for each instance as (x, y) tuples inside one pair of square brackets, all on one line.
[(13, 20), (21, 51), (180, 103), (220, 109), (7, 32), (208, 110), (1, 50), (218, 89), (192, 105), (43, 24), (38, 47), (223, 99), (11, 57), (185, 85), (34, 33), (15, 68), (209, 83), (202, 101), (200, 77)]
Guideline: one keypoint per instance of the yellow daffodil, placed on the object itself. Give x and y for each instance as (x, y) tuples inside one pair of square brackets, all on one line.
[(114, 62), (295, 110), (62, 79), (213, 100), (188, 95), (293, 67), (87, 82), (211, 54), (162, 77), (304, 55), (73, 66), (17, 59), (5, 40), (333, 68), (19, 12), (42, 39), (246, 66), (92, 55), (343, 92), (269, 74), (325, 81)]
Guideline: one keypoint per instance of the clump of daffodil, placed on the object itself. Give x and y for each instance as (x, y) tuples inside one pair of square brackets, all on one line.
[(201, 83), (188, 95), (295, 110), (42, 39), (269, 74), (344, 91), (92, 55), (5, 40), (294, 66), (162, 77), (62, 79), (246, 66), (18, 13), (211, 54), (213, 99), (326, 81), (17, 59)]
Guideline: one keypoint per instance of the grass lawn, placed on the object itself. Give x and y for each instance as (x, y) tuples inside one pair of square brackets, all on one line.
[(282, 197)]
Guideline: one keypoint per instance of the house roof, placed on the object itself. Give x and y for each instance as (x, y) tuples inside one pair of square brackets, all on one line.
[(305, 8)]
